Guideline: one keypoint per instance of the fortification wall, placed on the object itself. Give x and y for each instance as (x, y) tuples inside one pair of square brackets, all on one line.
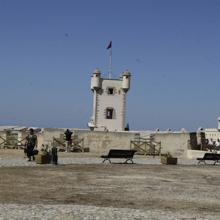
[(96, 141), (175, 143), (47, 134), (101, 142)]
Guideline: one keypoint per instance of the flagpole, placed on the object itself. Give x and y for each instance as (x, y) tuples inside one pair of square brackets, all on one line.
[(109, 47), (110, 63)]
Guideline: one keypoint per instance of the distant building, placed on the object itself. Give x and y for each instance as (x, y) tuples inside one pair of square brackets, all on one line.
[(213, 133), (109, 102)]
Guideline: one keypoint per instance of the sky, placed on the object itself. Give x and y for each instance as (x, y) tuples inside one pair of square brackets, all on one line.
[(49, 49)]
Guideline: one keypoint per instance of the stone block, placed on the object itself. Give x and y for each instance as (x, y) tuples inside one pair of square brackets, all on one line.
[(168, 160), (43, 159)]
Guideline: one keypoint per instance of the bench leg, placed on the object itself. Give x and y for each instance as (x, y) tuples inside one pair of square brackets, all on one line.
[(201, 161), (128, 160), (216, 161), (106, 159)]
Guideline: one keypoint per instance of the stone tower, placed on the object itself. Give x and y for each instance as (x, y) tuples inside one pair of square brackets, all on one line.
[(109, 101)]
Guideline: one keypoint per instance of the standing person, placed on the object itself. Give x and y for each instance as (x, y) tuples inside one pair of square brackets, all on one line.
[(217, 144), (210, 145), (68, 138), (54, 155), (31, 143)]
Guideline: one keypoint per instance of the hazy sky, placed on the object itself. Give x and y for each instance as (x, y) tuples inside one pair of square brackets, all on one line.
[(49, 48)]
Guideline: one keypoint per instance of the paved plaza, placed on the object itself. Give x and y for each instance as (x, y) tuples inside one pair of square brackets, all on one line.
[(82, 187)]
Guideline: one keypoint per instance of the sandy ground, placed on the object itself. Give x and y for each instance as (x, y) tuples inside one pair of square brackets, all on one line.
[(144, 190)]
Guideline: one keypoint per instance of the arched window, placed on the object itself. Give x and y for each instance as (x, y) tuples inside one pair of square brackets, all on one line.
[(110, 113)]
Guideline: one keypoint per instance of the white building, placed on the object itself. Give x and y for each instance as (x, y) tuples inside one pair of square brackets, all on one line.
[(213, 133), (109, 101)]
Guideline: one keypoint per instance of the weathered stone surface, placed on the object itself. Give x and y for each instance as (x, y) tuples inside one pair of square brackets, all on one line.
[(81, 187)]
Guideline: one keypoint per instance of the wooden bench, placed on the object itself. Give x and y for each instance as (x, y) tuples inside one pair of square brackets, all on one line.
[(116, 153), (209, 156)]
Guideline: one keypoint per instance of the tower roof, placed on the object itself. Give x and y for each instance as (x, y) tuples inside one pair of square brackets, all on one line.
[(97, 71), (126, 73)]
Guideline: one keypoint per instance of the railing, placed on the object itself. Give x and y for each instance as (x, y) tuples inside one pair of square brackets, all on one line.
[(76, 145), (10, 142), (3, 143), (146, 146)]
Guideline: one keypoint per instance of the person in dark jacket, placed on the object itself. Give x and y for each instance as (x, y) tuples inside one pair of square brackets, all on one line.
[(31, 143), (54, 155), (68, 138)]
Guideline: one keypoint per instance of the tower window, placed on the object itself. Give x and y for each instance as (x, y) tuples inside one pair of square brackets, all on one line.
[(110, 113), (110, 91)]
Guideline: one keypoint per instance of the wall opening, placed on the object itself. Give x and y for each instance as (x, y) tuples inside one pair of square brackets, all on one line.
[(110, 113), (110, 91)]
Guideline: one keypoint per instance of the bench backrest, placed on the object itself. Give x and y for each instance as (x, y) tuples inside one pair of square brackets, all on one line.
[(211, 156), (121, 153)]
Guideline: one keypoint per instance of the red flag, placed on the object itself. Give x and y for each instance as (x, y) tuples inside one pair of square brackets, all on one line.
[(109, 45)]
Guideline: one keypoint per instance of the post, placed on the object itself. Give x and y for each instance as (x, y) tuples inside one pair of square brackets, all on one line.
[(109, 47), (110, 63)]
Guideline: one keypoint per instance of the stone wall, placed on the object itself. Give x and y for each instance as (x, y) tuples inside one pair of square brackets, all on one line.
[(176, 143), (101, 142), (47, 134), (96, 141)]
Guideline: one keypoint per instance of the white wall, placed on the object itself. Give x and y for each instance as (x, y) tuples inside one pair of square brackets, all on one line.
[(100, 142), (115, 101), (175, 143), (212, 133)]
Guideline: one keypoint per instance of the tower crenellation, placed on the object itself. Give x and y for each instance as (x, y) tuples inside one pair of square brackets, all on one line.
[(95, 79)]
